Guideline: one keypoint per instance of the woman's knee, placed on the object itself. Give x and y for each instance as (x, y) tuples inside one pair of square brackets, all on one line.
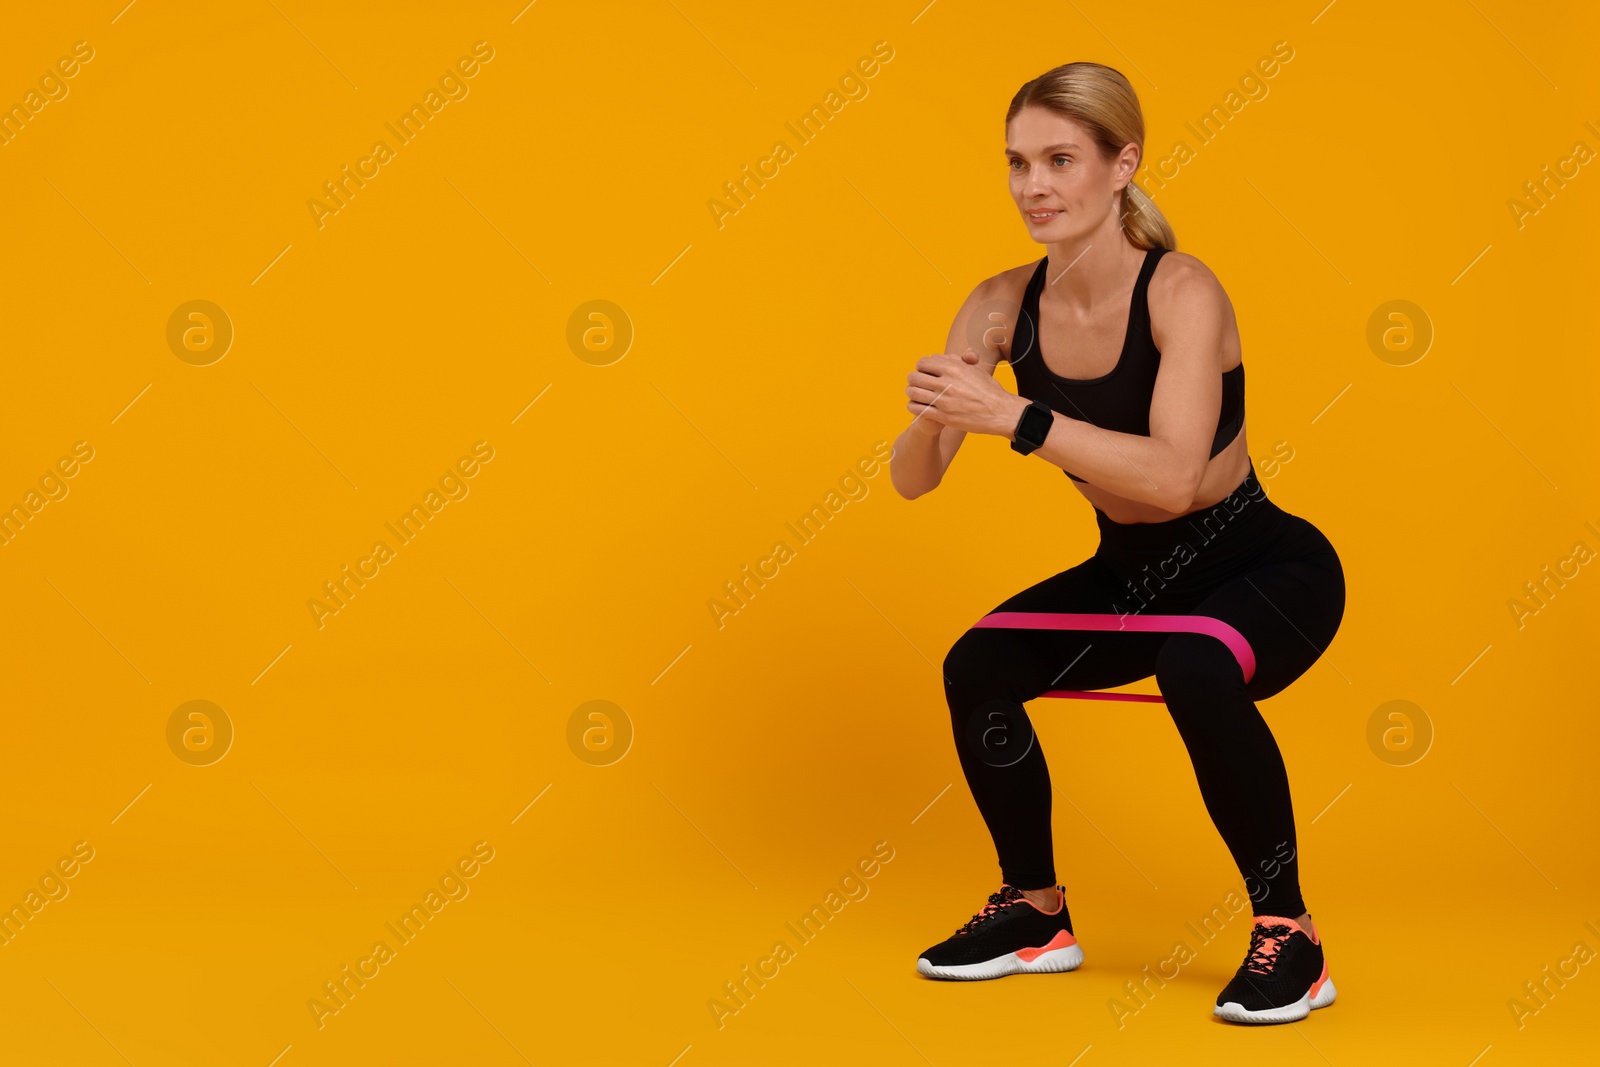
[(968, 662), (979, 667)]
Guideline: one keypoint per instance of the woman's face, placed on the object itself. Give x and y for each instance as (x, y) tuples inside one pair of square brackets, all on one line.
[(1061, 185)]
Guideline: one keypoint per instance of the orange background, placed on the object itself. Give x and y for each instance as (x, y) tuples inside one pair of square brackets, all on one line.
[(768, 356)]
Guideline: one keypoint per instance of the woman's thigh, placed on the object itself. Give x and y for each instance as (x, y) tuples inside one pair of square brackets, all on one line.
[(1021, 665), (1288, 608)]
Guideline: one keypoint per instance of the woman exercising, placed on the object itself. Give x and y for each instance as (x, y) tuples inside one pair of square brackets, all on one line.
[(1127, 362)]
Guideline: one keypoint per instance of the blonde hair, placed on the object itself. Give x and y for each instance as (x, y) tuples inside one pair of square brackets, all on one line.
[(1099, 99)]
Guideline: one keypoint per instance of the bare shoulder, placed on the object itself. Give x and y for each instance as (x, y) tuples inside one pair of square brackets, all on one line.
[(1186, 298), (1012, 281), (988, 318), (1006, 287), (1181, 278)]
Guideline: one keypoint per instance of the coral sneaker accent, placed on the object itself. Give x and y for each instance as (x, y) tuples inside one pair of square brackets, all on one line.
[(1064, 939)]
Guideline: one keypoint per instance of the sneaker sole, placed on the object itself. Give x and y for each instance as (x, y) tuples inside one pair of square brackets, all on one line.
[(1051, 962), (1319, 996)]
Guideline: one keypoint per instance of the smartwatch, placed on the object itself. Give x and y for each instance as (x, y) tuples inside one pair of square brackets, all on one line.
[(1032, 427)]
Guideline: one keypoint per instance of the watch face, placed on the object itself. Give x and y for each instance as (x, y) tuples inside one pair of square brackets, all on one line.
[(1036, 424)]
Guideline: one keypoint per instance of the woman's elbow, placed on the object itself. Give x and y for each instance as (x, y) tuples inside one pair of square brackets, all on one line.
[(911, 492), (1186, 483)]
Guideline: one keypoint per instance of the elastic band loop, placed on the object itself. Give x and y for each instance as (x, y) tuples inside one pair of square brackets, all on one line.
[(1191, 624)]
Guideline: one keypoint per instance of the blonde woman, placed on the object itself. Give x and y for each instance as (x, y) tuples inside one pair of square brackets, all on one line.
[(1127, 361)]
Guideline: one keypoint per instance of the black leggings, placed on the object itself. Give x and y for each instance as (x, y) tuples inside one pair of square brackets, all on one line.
[(1271, 575)]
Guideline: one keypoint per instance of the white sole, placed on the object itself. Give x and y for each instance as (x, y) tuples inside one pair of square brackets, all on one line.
[(1052, 962), (1235, 1012)]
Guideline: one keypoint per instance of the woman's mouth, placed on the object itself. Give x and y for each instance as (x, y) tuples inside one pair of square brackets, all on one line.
[(1042, 216)]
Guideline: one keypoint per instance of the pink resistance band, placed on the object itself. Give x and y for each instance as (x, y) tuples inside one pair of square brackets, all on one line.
[(1190, 624)]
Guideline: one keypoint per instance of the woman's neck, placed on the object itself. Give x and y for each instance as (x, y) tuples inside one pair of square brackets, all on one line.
[(1087, 272)]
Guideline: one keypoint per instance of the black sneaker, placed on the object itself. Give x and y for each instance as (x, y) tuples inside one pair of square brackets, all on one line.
[(1284, 976), (1009, 936)]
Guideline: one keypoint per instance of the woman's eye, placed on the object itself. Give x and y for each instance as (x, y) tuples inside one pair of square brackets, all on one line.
[(1059, 158)]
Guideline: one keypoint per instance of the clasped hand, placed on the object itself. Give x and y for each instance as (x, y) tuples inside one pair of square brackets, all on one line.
[(955, 391)]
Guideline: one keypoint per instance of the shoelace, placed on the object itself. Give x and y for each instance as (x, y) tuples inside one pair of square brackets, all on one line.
[(1007, 896), (1265, 943)]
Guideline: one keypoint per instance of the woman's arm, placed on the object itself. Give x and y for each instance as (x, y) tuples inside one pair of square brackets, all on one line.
[(921, 454), (919, 459)]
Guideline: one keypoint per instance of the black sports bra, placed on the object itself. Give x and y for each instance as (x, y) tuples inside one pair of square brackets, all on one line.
[(1119, 399)]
